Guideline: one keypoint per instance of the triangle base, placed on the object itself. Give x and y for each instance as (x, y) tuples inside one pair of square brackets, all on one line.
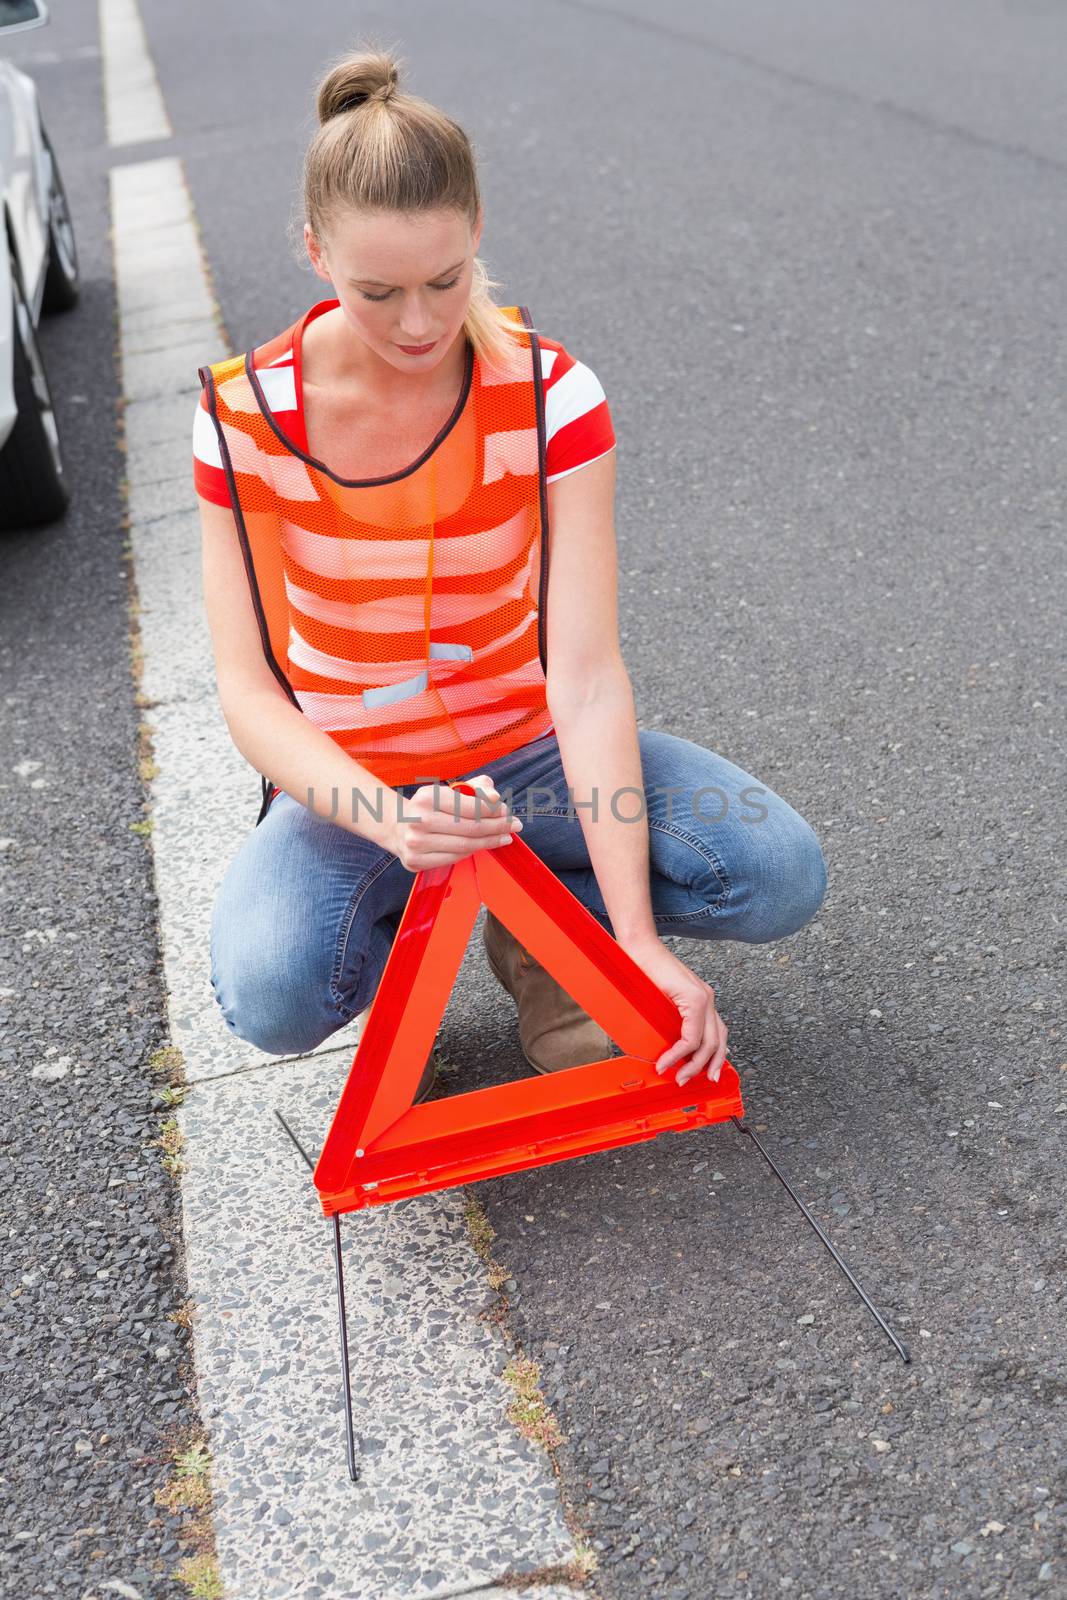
[(593, 1107)]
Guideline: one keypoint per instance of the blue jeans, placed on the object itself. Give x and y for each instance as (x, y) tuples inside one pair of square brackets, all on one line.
[(307, 911)]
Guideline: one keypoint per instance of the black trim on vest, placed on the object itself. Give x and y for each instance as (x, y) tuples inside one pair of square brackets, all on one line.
[(364, 483), (207, 381), (268, 796), (542, 482)]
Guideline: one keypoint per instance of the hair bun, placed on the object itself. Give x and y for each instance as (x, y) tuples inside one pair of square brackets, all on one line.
[(356, 79)]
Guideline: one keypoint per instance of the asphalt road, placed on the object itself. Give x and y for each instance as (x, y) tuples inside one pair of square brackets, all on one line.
[(94, 1373), (816, 260)]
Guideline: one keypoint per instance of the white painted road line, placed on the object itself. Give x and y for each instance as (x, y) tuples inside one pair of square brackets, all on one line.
[(133, 102), (452, 1498)]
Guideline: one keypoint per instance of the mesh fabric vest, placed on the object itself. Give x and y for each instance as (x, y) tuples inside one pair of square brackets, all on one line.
[(403, 615)]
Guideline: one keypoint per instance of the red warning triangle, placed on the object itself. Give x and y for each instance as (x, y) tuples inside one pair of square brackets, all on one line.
[(381, 1147)]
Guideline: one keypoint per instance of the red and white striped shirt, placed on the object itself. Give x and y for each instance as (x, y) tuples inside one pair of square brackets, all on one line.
[(577, 420)]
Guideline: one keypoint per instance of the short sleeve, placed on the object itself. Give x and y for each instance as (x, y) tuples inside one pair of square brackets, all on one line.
[(577, 419), (209, 479)]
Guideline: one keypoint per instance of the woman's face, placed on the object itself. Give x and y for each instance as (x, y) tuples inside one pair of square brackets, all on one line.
[(402, 280)]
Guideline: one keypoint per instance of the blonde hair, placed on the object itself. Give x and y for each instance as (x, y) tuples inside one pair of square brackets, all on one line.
[(378, 148)]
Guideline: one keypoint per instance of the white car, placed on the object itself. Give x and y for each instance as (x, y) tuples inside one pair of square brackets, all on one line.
[(38, 274)]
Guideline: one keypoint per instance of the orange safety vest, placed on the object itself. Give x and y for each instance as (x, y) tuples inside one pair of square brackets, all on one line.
[(404, 615)]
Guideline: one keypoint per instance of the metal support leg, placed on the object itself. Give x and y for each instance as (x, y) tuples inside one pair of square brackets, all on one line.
[(871, 1307), (342, 1318), (307, 1159), (350, 1434)]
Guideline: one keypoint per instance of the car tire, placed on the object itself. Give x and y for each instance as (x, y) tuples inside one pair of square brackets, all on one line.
[(62, 281), (33, 483)]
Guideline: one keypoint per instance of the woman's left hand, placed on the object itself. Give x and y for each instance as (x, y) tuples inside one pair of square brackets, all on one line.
[(703, 1030)]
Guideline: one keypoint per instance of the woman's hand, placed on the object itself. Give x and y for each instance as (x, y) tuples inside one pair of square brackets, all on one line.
[(703, 1030), (428, 835)]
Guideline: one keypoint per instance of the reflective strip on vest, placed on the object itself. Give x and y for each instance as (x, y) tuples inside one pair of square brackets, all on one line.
[(403, 615), (410, 686)]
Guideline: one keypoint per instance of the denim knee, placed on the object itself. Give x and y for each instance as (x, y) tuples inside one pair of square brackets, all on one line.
[(269, 1007), (783, 880), (809, 877)]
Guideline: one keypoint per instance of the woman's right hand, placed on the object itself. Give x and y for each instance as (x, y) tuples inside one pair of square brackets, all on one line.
[(428, 835)]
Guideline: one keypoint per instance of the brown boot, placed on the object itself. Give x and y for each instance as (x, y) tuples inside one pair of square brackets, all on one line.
[(554, 1031), (429, 1071)]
